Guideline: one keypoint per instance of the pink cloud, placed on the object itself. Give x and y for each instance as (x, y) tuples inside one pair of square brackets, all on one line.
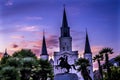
[(96, 49), (28, 28), (17, 37), (15, 46), (52, 41), (35, 46)]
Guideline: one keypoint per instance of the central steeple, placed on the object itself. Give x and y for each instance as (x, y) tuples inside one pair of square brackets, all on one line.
[(65, 32), (65, 38)]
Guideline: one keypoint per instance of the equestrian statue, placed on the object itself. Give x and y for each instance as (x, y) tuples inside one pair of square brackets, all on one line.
[(63, 63)]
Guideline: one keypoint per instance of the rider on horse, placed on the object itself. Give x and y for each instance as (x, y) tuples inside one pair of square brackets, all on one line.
[(64, 63)]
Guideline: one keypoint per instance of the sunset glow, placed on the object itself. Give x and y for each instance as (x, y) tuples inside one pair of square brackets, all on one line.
[(23, 21)]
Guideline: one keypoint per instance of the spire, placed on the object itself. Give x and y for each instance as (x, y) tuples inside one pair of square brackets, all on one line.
[(44, 49), (87, 45), (64, 22), (5, 54), (65, 30)]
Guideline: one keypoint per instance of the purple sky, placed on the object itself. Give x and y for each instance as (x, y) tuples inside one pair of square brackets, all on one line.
[(22, 23)]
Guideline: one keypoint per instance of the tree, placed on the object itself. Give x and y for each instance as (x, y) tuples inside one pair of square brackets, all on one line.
[(22, 61), (115, 73), (9, 73), (117, 59), (26, 66), (46, 69), (24, 53), (98, 58), (82, 66), (4, 60), (106, 52)]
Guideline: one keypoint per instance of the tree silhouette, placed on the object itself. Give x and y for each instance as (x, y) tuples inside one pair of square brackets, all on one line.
[(117, 59), (9, 73), (106, 52), (24, 65), (98, 58), (82, 65)]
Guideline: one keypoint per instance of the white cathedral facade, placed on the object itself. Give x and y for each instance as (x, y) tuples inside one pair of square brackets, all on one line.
[(65, 45)]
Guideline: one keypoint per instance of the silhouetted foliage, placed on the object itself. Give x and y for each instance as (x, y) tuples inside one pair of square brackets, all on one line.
[(98, 58), (117, 59), (24, 53), (106, 52), (82, 65), (9, 73), (24, 65)]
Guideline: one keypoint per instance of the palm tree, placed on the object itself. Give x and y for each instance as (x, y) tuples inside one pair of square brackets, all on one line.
[(117, 59), (82, 66), (98, 58), (106, 52)]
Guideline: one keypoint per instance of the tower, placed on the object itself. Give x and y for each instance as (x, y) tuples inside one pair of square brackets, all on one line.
[(65, 45), (88, 55), (65, 38), (5, 54), (44, 54)]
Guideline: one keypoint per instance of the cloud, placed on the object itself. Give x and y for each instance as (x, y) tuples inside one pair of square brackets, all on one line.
[(28, 28), (34, 18), (17, 37), (9, 3), (35, 46), (8, 30), (52, 41), (15, 46), (36, 51), (96, 49)]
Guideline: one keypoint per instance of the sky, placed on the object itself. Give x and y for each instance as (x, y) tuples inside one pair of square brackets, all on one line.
[(22, 23)]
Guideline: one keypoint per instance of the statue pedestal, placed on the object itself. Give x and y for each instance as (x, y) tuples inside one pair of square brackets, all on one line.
[(66, 76)]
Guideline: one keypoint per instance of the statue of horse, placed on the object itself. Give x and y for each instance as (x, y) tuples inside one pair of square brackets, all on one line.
[(64, 63)]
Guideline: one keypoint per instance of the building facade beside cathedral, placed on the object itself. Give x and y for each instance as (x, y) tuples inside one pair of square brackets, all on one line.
[(65, 45)]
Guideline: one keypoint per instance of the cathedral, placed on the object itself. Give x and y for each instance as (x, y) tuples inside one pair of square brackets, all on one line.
[(65, 45)]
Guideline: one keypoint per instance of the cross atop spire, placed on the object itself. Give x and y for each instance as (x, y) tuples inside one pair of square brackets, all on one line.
[(44, 48), (64, 21), (87, 45)]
